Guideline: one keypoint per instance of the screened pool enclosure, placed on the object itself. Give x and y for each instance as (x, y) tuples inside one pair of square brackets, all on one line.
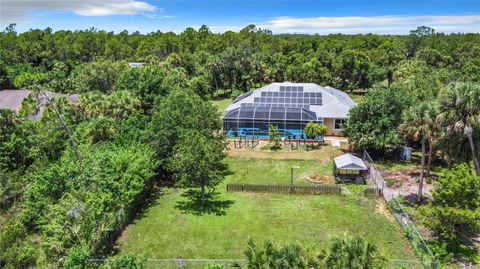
[(255, 121), (289, 106)]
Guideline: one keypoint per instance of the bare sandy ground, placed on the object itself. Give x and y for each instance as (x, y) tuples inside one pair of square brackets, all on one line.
[(325, 154)]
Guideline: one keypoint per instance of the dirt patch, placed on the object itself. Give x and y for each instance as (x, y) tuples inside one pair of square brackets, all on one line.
[(405, 182), (321, 179), (324, 154), (382, 209)]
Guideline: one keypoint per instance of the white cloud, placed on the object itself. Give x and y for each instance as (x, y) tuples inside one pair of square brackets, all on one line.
[(373, 24), (223, 29), (16, 10), (394, 25)]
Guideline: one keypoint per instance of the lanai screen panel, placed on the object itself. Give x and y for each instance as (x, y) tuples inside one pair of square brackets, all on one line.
[(270, 113)]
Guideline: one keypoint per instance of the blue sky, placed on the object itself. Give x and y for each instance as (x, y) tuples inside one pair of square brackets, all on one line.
[(285, 16)]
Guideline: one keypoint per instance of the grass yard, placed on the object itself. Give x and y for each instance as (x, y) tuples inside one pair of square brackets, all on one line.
[(356, 97), (273, 171), (221, 104), (171, 228)]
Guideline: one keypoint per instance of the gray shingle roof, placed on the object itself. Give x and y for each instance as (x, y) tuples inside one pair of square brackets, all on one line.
[(12, 99)]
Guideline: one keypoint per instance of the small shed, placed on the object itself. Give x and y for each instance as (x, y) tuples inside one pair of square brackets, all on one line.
[(348, 168)]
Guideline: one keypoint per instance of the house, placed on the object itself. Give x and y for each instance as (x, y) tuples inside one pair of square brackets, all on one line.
[(13, 99), (289, 106)]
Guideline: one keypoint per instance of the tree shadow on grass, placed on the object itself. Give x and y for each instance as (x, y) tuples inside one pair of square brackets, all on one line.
[(212, 205)]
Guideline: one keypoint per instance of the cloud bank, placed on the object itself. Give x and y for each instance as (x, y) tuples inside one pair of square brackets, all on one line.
[(17, 10), (366, 24)]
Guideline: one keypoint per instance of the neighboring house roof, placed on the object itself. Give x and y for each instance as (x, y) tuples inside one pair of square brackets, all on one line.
[(332, 103), (12, 99), (135, 64), (349, 162)]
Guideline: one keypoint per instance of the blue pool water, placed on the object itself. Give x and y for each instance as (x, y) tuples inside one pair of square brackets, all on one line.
[(260, 133)]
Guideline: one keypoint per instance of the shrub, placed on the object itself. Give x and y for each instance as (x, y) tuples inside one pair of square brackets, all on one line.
[(76, 258), (214, 266), (314, 129), (268, 255), (14, 251), (275, 138), (236, 93), (440, 252), (454, 213), (390, 182), (126, 261), (352, 252)]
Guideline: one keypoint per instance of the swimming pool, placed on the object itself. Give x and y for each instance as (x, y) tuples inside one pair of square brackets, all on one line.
[(261, 133)]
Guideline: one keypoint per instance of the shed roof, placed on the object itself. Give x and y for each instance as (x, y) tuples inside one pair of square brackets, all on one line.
[(349, 162)]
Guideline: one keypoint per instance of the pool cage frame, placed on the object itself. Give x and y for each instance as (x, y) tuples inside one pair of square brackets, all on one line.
[(256, 120)]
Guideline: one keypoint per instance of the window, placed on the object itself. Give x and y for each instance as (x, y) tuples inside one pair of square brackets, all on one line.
[(339, 123)]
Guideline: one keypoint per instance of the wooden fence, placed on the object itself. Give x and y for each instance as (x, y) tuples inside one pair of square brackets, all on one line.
[(318, 189), (374, 191)]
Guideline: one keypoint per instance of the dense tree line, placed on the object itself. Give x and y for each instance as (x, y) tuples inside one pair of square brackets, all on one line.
[(73, 60)]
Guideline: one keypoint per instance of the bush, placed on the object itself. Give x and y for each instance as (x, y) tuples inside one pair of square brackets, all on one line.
[(268, 255), (275, 138), (454, 213), (126, 261), (440, 252), (76, 258), (352, 252), (236, 93), (14, 251), (214, 266), (390, 182)]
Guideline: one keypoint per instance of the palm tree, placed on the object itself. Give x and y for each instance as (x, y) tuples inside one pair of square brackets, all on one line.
[(269, 256), (456, 147), (435, 131), (214, 65), (418, 124), (460, 114), (42, 94), (347, 252)]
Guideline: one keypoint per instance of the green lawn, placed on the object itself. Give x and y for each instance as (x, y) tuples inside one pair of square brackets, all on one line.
[(270, 171), (171, 228), (356, 97), (221, 104)]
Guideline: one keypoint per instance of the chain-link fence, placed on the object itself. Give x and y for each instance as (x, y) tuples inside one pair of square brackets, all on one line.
[(427, 260), (228, 263), (375, 178), (179, 263)]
